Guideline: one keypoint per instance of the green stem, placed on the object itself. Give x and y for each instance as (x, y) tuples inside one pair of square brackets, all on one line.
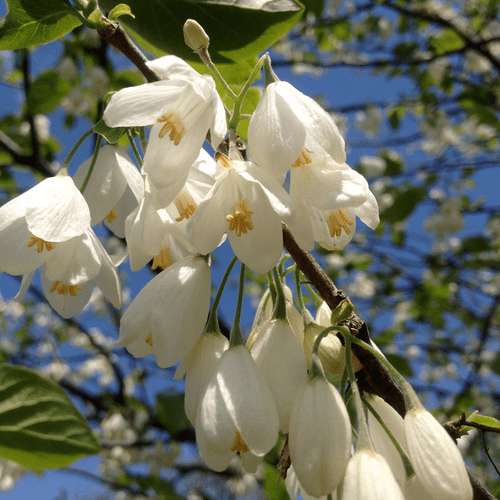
[(74, 149), (92, 164), (300, 298), (280, 309), (236, 337), (213, 321), (134, 147)]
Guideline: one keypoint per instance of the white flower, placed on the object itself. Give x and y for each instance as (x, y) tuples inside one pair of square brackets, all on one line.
[(320, 437), (199, 366), (32, 224), (369, 477), (248, 205), (293, 487), (181, 110), (280, 359), (284, 123), (168, 315), (236, 413), (435, 457), (69, 274), (114, 189)]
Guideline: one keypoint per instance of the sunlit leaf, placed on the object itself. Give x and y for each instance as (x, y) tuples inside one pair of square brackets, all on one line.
[(40, 427)]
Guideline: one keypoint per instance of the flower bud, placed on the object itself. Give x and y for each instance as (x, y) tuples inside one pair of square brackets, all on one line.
[(195, 36)]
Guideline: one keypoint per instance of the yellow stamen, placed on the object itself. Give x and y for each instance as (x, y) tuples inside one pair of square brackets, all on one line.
[(149, 339), (239, 445), (338, 220), (163, 259), (241, 219), (111, 216), (302, 160), (173, 124), (223, 160), (63, 289), (185, 206), (40, 244)]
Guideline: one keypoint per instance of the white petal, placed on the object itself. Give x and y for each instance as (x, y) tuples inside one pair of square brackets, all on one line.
[(168, 67), (141, 105), (56, 211), (318, 123)]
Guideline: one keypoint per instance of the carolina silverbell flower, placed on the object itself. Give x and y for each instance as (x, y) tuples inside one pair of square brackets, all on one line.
[(281, 361), (435, 457), (236, 413), (320, 435), (285, 122), (248, 205), (181, 109), (369, 477), (115, 188), (168, 315), (32, 224)]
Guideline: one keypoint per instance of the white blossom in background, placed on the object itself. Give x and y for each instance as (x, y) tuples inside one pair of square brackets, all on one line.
[(373, 166), (369, 121), (98, 81), (447, 219), (76, 102), (181, 109), (42, 127)]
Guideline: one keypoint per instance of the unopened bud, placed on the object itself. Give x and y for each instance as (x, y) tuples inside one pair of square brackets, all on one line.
[(195, 36)]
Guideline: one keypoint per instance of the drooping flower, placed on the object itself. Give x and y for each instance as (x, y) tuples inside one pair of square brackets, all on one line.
[(369, 477), (435, 457), (168, 315), (32, 224), (248, 205), (199, 365), (236, 413), (320, 436), (69, 274), (115, 188), (181, 109), (281, 361), (284, 123)]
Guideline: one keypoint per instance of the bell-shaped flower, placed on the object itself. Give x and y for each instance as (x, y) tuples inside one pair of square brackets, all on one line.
[(199, 365), (435, 457), (248, 205), (236, 413), (34, 223), (168, 315), (114, 189), (280, 359), (293, 487), (285, 122), (369, 477), (181, 109), (328, 196), (152, 234), (69, 274), (319, 437)]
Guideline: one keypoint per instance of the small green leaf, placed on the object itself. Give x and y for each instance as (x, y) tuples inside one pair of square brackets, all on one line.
[(40, 427), (46, 93), (401, 365), (111, 134), (487, 421), (121, 9), (171, 414), (447, 41), (95, 18), (404, 204), (34, 22)]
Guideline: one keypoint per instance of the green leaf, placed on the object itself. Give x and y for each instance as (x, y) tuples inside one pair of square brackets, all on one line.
[(46, 93), (273, 487), (404, 204), (171, 414), (447, 41), (487, 421), (121, 9), (236, 33), (40, 427), (111, 134), (401, 365), (32, 22)]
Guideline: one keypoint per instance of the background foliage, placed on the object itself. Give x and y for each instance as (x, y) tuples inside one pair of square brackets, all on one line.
[(426, 281)]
